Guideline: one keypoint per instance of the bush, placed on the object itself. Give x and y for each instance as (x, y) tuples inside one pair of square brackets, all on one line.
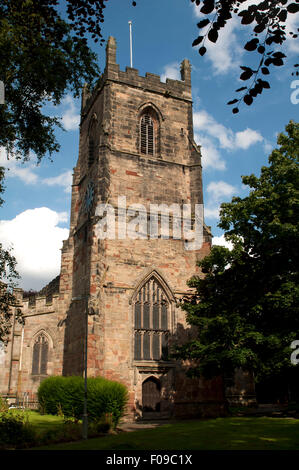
[(65, 395), (15, 431), (62, 395)]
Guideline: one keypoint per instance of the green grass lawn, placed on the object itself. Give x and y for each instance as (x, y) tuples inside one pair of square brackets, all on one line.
[(214, 434), (43, 423)]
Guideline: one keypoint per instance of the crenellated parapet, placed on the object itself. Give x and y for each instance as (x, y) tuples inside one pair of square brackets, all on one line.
[(44, 301), (180, 89), (36, 304)]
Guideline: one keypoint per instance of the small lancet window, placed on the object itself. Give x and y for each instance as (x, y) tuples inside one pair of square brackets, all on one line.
[(40, 355), (147, 135)]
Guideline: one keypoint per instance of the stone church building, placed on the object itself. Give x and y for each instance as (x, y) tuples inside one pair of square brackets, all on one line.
[(136, 140)]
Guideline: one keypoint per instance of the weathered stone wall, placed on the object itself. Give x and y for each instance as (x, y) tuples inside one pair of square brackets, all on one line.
[(40, 317)]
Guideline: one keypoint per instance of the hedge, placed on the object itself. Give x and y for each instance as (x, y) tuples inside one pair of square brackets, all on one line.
[(65, 395)]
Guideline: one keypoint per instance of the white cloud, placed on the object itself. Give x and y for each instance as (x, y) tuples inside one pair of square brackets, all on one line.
[(36, 240), (268, 147), (16, 169), (205, 122), (171, 71), (64, 180), (217, 192), (292, 25), (211, 212), (213, 136), (71, 116), (222, 242), (226, 53), (220, 189), (26, 172), (247, 138), (211, 157)]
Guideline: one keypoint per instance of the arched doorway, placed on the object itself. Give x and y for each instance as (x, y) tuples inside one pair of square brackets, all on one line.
[(151, 395)]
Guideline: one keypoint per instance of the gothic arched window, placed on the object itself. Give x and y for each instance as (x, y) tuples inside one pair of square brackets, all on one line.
[(40, 355), (151, 322)]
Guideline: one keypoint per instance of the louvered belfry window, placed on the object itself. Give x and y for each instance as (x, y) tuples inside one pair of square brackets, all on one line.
[(147, 137), (40, 355), (151, 322)]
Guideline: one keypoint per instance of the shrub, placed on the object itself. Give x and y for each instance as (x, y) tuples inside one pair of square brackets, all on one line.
[(15, 431), (65, 395)]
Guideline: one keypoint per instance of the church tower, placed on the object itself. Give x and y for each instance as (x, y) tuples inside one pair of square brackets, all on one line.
[(125, 266), (136, 143)]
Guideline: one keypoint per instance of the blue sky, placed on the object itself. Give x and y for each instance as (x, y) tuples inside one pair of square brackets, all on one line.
[(35, 216)]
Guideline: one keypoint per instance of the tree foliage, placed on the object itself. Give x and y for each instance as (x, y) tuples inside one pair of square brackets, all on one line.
[(8, 278), (42, 56), (267, 19), (246, 307), (66, 394)]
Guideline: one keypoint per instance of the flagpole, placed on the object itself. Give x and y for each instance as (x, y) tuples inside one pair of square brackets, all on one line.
[(131, 53)]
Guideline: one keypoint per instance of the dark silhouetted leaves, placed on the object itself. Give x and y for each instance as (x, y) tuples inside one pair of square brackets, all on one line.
[(268, 62), (253, 92), (248, 99), (213, 35), (282, 15), (261, 49), (247, 74), (260, 28), (247, 17), (203, 23), (277, 62), (279, 55), (267, 19), (293, 8), (197, 41), (208, 7), (251, 45), (235, 110), (264, 84), (233, 101), (241, 89)]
